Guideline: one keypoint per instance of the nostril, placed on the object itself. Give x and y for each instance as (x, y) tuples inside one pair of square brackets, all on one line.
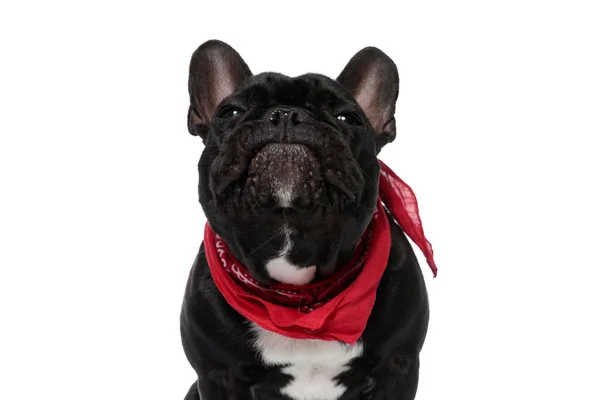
[(275, 117), (294, 118)]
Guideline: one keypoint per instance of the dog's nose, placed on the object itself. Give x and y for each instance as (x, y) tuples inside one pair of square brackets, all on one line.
[(293, 116)]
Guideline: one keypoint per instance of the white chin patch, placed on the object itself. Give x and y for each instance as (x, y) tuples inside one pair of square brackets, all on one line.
[(285, 195), (282, 271)]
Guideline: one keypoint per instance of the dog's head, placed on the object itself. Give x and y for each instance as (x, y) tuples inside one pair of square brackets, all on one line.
[(289, 173)]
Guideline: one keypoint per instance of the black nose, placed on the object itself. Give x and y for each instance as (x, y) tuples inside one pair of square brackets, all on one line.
[(284, 116)]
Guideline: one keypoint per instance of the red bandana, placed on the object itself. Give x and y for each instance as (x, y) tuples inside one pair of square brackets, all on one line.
[(333, 309)]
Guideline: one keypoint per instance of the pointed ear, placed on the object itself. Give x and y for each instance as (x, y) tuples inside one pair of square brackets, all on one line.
[(372, 78), (216, 71)]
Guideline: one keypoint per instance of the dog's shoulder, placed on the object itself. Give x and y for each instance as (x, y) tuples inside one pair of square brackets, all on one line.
[(213, 334), (400, 316)]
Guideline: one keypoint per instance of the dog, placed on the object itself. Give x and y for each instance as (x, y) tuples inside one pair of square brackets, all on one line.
[(289, 183)]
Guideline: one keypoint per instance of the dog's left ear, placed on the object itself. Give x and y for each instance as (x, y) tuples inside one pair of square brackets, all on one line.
[(216, 71), (372, 78)]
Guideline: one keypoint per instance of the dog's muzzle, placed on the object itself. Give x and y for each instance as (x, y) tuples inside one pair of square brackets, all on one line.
[(285, 171)]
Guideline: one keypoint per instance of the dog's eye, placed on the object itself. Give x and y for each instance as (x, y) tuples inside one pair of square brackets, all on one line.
[(230, 111), (349, 119)]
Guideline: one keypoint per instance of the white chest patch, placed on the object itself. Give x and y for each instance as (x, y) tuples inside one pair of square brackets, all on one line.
[(312, 364)]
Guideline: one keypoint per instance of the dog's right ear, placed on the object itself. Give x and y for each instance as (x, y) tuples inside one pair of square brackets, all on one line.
[(216, 71)]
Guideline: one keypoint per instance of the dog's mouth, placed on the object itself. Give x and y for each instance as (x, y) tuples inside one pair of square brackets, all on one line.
[(297, 175), (289, 173)]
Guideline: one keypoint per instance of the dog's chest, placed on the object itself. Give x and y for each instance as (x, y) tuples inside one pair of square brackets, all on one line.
[(313, 365)]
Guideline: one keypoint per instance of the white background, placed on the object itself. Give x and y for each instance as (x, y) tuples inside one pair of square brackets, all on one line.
[(498, 121)]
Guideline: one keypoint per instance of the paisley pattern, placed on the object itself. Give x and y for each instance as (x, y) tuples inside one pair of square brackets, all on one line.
[(306, 298)]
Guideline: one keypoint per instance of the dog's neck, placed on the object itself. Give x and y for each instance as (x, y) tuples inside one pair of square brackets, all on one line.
[(298, 254), (283, 270)]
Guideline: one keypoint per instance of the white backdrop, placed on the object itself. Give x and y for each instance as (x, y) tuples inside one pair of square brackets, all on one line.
[(99, 221)]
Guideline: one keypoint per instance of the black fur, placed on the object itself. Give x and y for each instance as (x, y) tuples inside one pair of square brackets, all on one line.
[(337, 127)]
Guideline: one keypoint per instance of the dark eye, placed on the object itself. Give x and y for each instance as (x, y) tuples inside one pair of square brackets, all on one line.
[(349, 118), (230, 111)]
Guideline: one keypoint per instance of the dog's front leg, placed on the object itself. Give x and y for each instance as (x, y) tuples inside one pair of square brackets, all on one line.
[(396, 379), (193, 394), (219, 385)]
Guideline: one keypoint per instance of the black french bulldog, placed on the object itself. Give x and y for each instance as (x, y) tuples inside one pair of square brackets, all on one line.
[(291, 163)]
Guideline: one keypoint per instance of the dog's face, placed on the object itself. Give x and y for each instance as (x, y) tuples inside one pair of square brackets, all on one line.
[(289, 173)]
